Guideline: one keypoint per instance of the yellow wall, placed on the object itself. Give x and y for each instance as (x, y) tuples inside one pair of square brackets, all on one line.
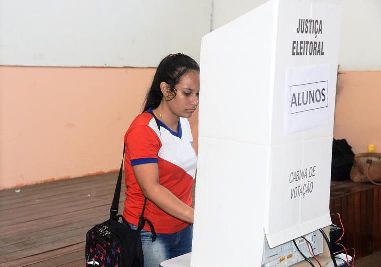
[(65, 122), (358, 109), (68, 122)]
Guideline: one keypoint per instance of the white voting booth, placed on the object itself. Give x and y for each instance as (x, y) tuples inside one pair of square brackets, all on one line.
[(266, 112)]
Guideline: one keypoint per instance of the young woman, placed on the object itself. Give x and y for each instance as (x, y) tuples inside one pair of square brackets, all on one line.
[(160, 162)]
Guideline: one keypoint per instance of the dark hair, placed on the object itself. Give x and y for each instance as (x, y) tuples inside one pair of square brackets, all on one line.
[(170, 70)]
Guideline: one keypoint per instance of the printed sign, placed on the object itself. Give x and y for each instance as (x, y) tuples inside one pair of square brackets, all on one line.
[(307, 98)]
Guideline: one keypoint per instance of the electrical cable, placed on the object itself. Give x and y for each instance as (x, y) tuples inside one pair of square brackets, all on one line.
[(346, 263), (337, 242), (311, 250), (345, 250), (304, 256), (329, 247)]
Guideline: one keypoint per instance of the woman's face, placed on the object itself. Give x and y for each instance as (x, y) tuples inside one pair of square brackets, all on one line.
[(187, 91)]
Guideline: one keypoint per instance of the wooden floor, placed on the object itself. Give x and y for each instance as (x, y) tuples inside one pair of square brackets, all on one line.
[(45, 224)]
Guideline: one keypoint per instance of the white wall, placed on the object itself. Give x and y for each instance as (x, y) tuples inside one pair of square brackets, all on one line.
[(100, 33), (227, 10), (361, 35), (360, 30), (139, 33)]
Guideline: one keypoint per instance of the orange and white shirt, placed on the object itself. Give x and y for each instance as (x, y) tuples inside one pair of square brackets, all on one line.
[(176, 159)]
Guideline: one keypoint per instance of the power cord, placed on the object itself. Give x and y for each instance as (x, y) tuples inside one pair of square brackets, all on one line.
[(329, 247), (346, 263), (311, 250), (304, 256), (344, 249)]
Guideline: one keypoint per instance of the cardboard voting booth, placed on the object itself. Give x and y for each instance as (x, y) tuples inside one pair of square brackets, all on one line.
[(266, 112)]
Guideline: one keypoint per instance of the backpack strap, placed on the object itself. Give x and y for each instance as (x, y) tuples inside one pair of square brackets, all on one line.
[(143, 220), (115, 202)]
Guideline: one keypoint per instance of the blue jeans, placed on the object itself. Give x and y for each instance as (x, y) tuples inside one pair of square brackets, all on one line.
[(166, 246)]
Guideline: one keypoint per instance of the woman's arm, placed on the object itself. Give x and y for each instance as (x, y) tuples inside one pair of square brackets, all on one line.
[(147, 176)]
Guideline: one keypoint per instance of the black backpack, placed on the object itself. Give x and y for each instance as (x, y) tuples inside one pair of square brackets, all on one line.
[(342, 160), (113, 242)]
